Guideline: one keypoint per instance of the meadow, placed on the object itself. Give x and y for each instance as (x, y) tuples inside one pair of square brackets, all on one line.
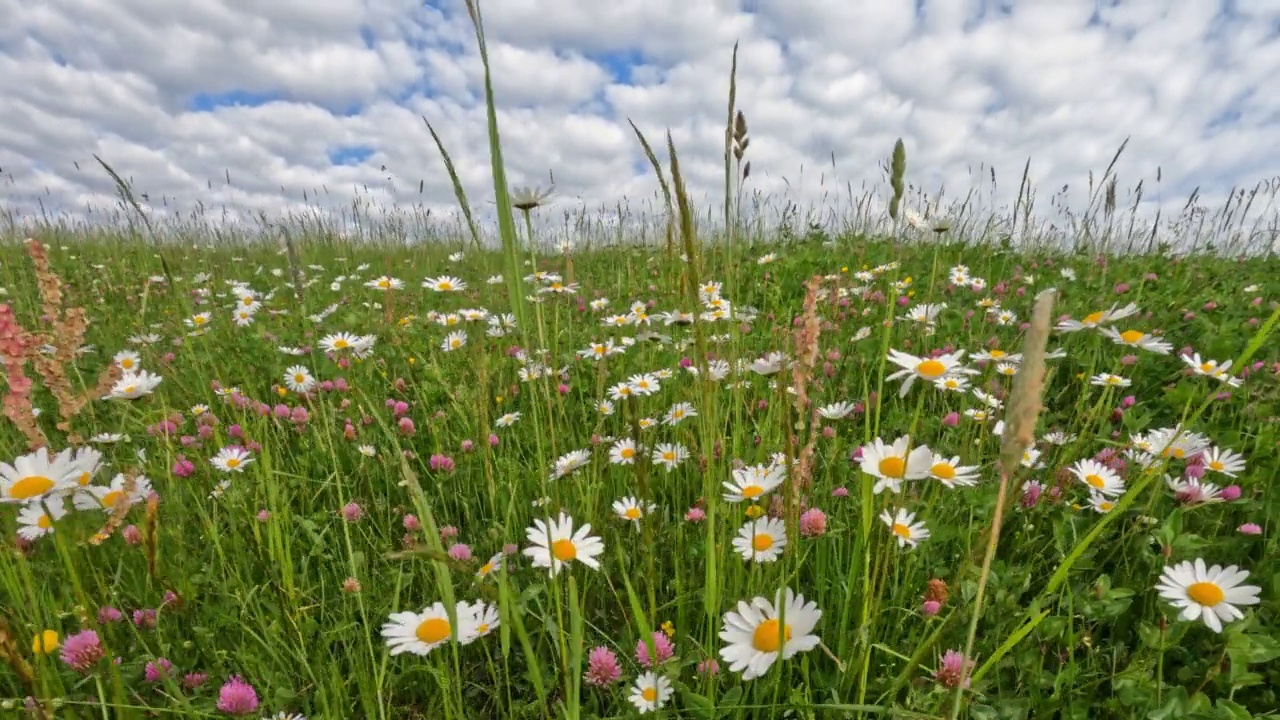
[(907, 468)]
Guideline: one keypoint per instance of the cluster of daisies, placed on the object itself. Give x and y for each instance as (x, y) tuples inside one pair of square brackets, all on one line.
[(43, 485), (756, 633)]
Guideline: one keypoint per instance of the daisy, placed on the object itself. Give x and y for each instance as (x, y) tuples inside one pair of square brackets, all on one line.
[(1177, 443), (1109, 380), (997, 355), (1223, 460), (760, 631), (570, 463), (670, 455), (929, 369), (892, 464), (645, 384), (951, 473), (507, 420), (631, 509), (678, 412), (231, 459), (622, 391), (384, 282), (1138, 339), (1206, 367), (1209, 593), (651, 692), (37, 517), (1192, 491), (444, 283), (761, 540), (420, 633), (299, 379), (338, 341), (85, 462), (752, 483), (623, 452), (128, 360), (555, 544), (1096, 319), (604, 407), (482, 618), (34, 476), (453, 341), (1100, 503), (97, 497), (487, 569), (197, 321), (952, 383), (836, 411), (131, 386), (904, 527), (1100, 478)]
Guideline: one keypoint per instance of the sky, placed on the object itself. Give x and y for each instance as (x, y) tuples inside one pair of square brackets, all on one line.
[(249, 107)]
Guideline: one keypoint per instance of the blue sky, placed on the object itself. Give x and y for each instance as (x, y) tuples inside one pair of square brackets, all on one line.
[(316, 94)]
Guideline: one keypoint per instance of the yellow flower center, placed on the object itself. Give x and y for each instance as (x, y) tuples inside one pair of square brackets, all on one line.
[(130, 388), (1216, 465), (482, 628), (1092, 318), (84, 479), (1106, 505), (762, 542), (628, 452), (109, 500), (931, 369), (564, 550), (1205, 593), (299, 378), (30, 486), (233, 462), (384, 283), (998, 353), (650, 694), (340, 344), (752, 491), (1207, 367), (943, 471), (126, 364), (1095, 481), (902, 531), (199, 320), (632, 513), (770, 635), (893, 466), (1132, 336), (433, 630), (486, 568), (669, 456), (45, 522)]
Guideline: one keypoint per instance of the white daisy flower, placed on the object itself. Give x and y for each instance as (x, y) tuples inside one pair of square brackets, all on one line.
[(761, 540), (904, 527), (893, 465), (37, 475), (632, 510), (299, 379), (651, 692), (131, 386), (759, 632), (421, 632), (231, 459), (1208, 593), (1100, 478), (752, 483), (36, 518), (556, 544)]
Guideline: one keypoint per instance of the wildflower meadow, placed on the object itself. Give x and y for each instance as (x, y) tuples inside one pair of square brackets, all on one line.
[(710, 466)]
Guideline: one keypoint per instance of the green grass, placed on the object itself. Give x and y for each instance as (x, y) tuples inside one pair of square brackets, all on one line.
[(265, 600)]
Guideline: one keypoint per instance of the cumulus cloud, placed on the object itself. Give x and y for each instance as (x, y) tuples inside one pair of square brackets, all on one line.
[(294, 105)]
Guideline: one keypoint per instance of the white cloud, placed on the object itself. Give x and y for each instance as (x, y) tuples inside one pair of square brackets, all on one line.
[(324, 99)]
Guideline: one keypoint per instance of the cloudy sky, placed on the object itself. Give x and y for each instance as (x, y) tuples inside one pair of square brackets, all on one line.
[(253, 105)]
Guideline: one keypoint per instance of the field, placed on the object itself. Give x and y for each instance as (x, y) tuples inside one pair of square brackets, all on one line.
[(915, 470)]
